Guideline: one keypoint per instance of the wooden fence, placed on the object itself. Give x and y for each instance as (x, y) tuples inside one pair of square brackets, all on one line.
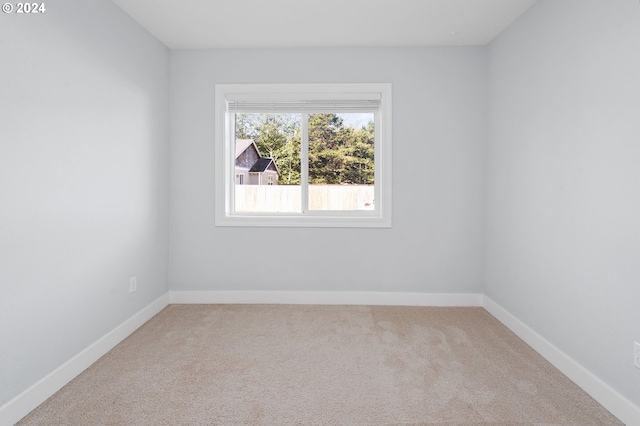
[(286, 198)]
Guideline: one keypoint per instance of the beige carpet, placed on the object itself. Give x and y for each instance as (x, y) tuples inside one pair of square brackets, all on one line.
[(320, 365)]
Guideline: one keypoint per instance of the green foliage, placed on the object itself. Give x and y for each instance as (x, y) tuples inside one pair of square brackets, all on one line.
[(337, 154)]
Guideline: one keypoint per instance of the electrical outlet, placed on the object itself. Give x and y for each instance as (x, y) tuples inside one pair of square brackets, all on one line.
[(133, 284), (636, 354)]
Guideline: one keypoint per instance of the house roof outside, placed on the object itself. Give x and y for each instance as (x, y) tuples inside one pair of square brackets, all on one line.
[(243, 144), (262, 164)]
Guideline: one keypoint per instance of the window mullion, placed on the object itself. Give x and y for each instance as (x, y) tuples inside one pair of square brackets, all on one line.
[(230, 160), (304, 162)]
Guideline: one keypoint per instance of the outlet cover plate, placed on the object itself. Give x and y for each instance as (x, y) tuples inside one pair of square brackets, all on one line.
[(636, 354), (133, 284)]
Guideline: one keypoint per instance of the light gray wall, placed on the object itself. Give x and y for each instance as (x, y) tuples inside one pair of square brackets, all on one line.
[(563, 229), (434, 246), (83, 181)]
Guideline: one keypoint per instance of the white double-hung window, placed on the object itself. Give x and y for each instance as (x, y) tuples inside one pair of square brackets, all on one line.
[(316, 155)]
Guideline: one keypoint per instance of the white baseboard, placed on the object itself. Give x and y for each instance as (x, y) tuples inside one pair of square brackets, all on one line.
[(23, 404), (325, 298), (618, 405)]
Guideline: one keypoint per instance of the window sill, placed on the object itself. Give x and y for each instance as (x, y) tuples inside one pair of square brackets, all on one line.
[(311, 221)]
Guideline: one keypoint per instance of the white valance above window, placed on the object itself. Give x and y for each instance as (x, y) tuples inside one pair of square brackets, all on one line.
[(307, 102)]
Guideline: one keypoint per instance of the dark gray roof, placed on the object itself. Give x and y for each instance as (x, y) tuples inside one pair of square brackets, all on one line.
[(260, 165)]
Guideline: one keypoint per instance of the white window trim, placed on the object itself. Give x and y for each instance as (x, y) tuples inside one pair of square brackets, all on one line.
[(380, 217)]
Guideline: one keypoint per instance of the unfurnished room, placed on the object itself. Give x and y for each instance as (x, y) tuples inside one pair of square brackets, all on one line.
[(346, 212)]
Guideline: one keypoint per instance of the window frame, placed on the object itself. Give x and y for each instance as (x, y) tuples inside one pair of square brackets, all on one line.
[(379, 217)]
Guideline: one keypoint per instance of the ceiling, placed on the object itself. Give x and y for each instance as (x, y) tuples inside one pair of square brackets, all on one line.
[(208, 24)]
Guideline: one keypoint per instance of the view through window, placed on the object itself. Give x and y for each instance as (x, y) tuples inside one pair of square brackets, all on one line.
[(340, 158)]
